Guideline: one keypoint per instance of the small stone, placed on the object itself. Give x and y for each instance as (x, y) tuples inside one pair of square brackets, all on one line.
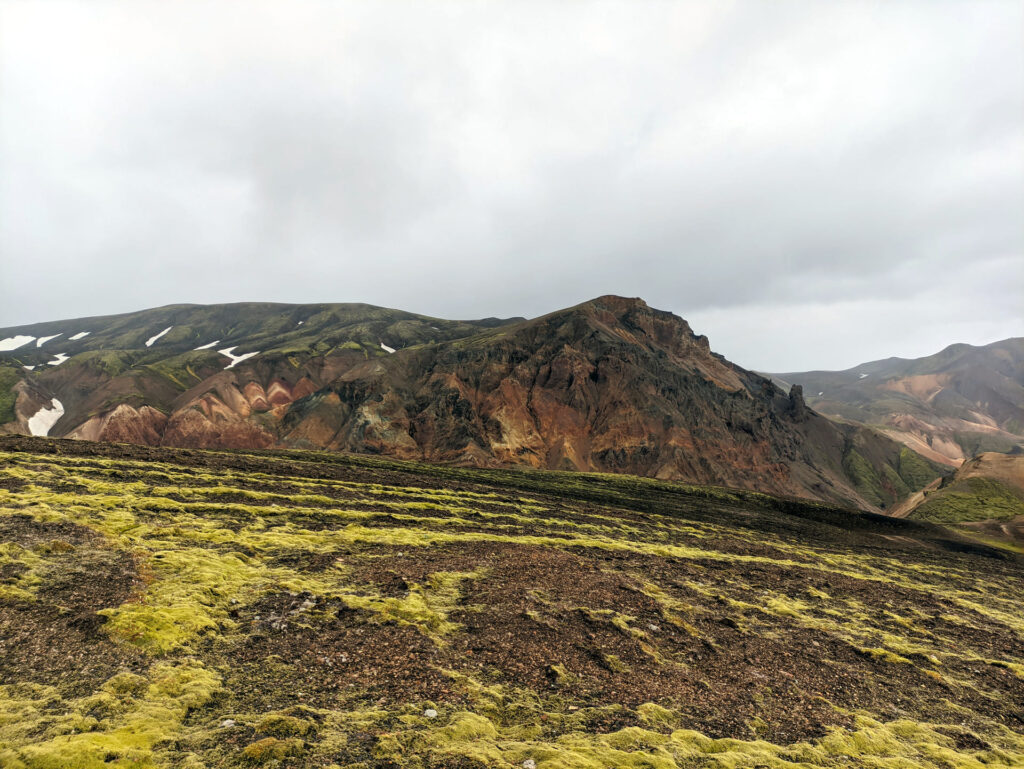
[(529, 764), (653, 628), (430, 713), (227, 723)]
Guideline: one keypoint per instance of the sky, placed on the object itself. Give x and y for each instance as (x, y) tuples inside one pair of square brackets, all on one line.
[(810, 184)]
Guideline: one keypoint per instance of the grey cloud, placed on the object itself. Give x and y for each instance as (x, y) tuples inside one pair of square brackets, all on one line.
[(733, 163)]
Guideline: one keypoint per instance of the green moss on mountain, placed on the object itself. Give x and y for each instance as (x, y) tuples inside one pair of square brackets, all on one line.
[(9, 376), (971, 499), (915, 470), (865, 480)]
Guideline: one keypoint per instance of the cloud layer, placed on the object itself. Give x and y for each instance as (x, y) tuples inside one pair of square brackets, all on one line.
[(811, 185)]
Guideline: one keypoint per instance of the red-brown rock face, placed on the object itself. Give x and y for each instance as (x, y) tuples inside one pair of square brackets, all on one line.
[(612, 385)]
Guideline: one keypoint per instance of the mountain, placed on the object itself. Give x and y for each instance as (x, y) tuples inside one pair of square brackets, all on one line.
[(948, 407), (984, 498), (293, 610), (610, 385)]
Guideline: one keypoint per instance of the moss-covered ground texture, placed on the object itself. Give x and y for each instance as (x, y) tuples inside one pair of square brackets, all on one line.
[(185, 608)]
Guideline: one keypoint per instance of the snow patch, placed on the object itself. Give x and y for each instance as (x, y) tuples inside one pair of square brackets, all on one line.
[(862, 376), (149, 342), (821, 393), (44, 339), (46, 418), (79, 335), (236, 359), (385, 348), (61, 357), (14, 342), (208, 346), (28, 368), (300, 322)]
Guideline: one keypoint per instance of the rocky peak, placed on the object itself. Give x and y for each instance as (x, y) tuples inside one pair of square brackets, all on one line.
[(797, 407)]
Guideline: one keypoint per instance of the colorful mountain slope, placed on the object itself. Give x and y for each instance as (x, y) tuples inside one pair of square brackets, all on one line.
[(948, 406), (609, 385)]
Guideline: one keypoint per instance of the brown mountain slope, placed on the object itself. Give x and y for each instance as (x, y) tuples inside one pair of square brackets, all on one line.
[(947, 407), (610, 385)]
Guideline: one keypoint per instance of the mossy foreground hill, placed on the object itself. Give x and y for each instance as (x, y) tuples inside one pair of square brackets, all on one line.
[(187, 608)]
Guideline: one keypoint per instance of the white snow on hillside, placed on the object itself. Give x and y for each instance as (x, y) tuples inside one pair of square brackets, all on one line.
[(44, 339), (61, 357), (46, 418), (14, 342), (236, 359), (863, 376), (208, 346), (28, 368), (149, 342), (386, 348), (79, 335)]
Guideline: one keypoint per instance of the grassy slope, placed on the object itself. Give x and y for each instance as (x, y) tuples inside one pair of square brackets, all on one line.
[(249, 325), (971, 499), (190, 609), (9, 377)]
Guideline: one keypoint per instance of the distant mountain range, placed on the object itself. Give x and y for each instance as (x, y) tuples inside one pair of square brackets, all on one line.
[(948, 407), (610, 385)]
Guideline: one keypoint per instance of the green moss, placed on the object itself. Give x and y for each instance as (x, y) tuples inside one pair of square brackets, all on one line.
[(971, 499), (24, 569), (124, 724), (914, 469), (279, 725), (271, 749), (425, 606), (187, 595), (9, 376), (864, 478), (614, 664)]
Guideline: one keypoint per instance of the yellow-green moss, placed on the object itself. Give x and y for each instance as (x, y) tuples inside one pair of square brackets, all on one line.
[(122, 724)]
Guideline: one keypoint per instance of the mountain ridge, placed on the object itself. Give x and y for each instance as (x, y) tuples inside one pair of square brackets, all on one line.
[(949, 406), (608, 385)]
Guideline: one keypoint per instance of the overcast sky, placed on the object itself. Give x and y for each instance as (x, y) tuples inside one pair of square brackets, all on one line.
[(810, 184)]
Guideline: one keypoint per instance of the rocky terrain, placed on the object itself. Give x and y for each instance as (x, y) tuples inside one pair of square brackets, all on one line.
[(948, 407), (189, 608), (611, 385)]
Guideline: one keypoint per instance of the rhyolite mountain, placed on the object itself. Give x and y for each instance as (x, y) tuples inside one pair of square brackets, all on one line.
[(948, 407), (610, 385)]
